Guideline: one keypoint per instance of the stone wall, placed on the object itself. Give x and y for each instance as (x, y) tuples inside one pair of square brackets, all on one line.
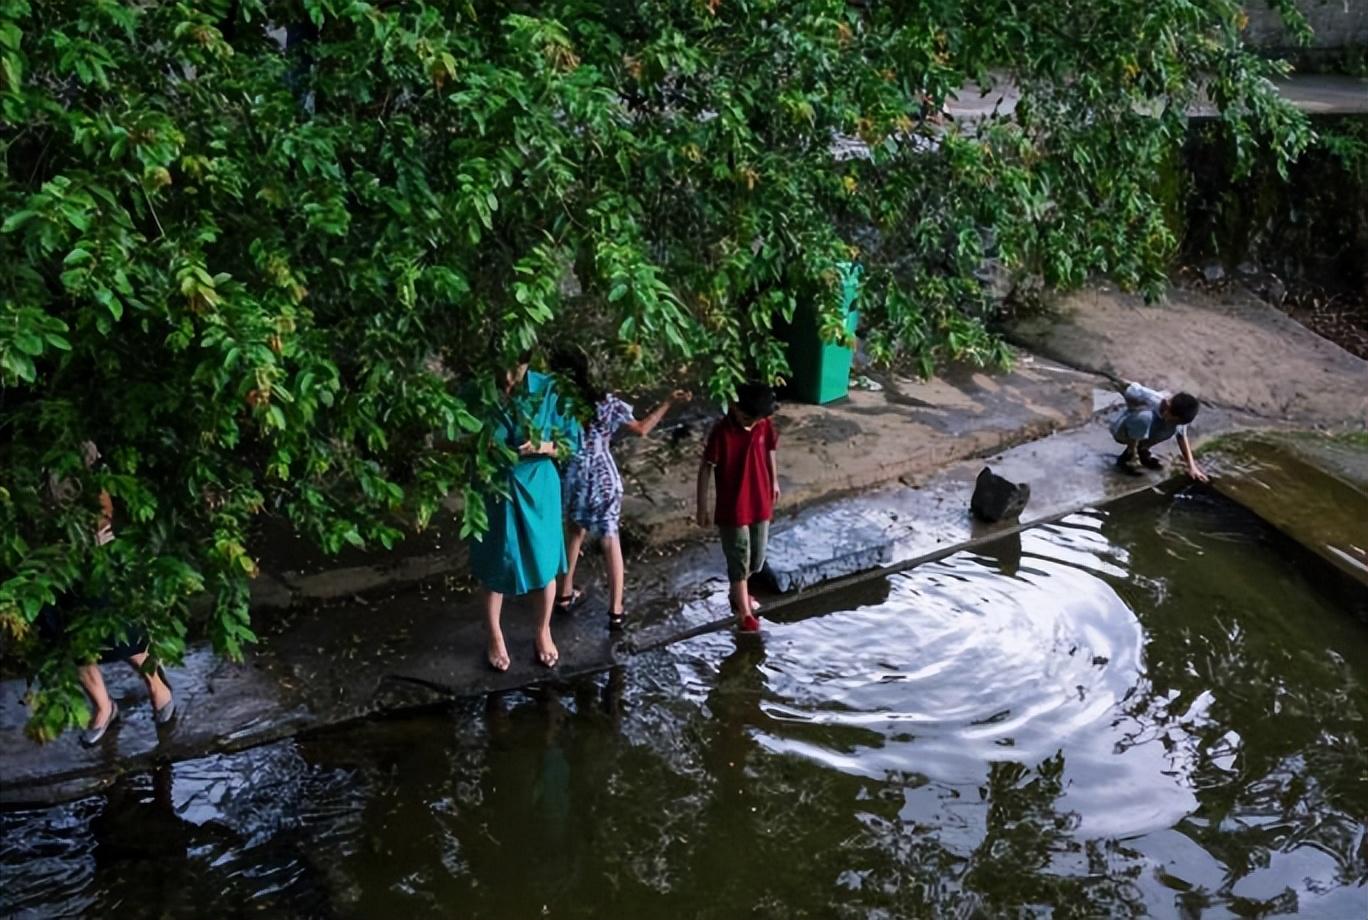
[(1338, 24)]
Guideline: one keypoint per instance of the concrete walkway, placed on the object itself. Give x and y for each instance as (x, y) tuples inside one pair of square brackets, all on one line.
[(401, 634), (1314, 94)]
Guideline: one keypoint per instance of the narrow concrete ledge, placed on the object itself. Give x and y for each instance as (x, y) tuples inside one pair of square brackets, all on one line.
[(420, 644), (361, 658)]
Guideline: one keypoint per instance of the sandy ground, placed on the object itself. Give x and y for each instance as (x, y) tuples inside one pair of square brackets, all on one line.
[(1231, 350)]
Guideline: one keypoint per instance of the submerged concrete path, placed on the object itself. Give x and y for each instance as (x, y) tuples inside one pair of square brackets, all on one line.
[(400, 638)]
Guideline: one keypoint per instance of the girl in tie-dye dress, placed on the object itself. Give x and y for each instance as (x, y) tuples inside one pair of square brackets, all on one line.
[(593, 485)]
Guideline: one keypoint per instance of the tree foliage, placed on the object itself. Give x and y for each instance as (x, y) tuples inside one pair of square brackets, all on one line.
[(267, 256)]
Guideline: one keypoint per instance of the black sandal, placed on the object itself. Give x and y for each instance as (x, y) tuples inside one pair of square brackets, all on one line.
[(617, 621), (568, 602)]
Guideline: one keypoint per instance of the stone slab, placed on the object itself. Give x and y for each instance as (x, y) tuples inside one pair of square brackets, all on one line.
[(841, 542)]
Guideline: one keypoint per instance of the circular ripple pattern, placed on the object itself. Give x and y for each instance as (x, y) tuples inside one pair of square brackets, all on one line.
[(975, 660)]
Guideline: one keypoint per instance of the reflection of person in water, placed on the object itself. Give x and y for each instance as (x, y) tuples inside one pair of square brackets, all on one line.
[(550, 761), (150, 861), (529, 795), (143, 847), (735, 705)]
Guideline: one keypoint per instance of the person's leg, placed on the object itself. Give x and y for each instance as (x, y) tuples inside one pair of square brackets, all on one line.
[(1146, 458), (759, 542), (493, 609), (1130, 430), (157, 690), (545, 599), (736, 549), (741, 601), (1129, 457), (617, 576), (574, 543), (92, 680)]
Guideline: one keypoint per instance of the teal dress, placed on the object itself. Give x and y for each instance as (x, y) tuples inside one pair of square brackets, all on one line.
[(524, 548)]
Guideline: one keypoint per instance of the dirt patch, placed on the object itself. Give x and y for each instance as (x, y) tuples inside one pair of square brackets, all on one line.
[(1228, 347), (1340, 319), (1338, 315)]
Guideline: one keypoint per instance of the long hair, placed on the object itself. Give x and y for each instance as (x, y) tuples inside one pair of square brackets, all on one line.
[(573, 365)]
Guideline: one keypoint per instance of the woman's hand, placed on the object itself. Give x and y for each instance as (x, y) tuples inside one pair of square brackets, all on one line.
[(544, 449)]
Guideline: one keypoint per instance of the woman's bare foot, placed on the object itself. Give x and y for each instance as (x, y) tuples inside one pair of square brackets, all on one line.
[(547, 653), (498, 654)]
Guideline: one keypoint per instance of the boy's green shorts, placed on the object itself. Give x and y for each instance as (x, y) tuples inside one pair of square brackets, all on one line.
[(744, 548)]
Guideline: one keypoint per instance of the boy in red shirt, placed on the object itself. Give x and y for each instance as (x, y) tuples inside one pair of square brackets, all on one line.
[(739, 455)]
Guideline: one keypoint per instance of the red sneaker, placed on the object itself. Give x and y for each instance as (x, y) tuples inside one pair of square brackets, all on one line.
[(750, 623)]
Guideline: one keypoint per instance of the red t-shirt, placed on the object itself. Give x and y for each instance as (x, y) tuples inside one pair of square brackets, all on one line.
[(741, 471)]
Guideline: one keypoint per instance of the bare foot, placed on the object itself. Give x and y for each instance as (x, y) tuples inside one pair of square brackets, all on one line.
[(498, 654), (547, 653)]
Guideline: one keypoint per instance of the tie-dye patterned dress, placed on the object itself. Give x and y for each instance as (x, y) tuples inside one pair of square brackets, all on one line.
[(593, 485)]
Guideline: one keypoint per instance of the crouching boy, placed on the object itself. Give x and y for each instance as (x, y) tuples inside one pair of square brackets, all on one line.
[(1151, 418)]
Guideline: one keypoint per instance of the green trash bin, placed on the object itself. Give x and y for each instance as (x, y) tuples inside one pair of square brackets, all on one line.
[(821, 371)]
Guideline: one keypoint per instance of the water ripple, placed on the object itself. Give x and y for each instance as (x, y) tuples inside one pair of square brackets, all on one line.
[(961, 667)]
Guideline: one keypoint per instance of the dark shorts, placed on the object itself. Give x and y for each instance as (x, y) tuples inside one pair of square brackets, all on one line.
[(744, 548), (118, 646)]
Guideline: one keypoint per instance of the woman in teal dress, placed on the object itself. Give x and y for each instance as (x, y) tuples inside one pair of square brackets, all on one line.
[(524, 551)]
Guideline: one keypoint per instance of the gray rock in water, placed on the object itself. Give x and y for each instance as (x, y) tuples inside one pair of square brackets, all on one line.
[(996, 499), (1213, 273)]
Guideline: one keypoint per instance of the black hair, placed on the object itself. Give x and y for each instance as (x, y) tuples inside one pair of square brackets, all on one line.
[(1184, 407), (573, 364), (756, 400), (525, 356)]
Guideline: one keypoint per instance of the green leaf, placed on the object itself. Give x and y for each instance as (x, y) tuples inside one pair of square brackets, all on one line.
[(17, 220)]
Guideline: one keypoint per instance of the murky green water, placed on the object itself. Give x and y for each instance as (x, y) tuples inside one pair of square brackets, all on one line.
[(1157, 709)]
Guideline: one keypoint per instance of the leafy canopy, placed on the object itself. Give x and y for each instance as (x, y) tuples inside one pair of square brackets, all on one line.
[(269, 256)]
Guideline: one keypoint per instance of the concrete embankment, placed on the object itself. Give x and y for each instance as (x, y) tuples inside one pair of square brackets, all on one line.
[(880, 481)]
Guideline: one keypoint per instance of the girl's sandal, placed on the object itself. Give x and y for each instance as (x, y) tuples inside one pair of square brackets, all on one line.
[(568, 602), (91, 736), (617, 621)]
